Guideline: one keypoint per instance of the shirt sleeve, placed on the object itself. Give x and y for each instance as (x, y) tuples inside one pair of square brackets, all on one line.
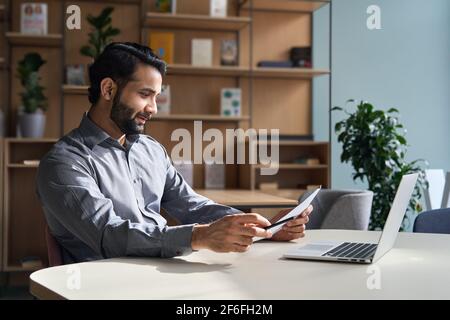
[(187, 206), (69, 193)]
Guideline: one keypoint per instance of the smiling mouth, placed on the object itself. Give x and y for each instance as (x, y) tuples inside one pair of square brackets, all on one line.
[(143, 119)]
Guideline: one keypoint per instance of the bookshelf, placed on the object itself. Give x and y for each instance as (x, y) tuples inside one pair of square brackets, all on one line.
[(263, 29), (23, 216)]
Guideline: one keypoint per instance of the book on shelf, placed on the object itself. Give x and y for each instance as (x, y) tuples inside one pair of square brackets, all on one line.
[(75, 74), (31, 162), (229, 53), (214, 176), (230, 102), (218, 8), (275, 64), (162, 43), (201, 52), (166, 6), (33, 18), (163, 100)]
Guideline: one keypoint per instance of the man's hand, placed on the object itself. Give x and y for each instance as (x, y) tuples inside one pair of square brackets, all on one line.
[(293, 229), (233, 233)]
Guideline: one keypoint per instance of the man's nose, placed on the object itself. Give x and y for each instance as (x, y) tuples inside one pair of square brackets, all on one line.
[(151, 108)]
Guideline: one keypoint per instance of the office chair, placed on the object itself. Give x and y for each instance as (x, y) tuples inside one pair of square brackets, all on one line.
[(53, 249), (433, 221), (340, 209)]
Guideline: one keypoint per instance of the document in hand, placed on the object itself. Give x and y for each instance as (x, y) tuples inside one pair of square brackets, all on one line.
[(274, 228)]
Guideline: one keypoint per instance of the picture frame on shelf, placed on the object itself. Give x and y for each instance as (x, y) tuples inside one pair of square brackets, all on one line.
[(34, 18), (75, 75)]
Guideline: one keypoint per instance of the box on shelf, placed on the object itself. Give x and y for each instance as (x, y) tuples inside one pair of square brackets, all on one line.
[(33, 18), (163, 100), (230, 102), (162, 43), (229, 53), (218, 8), (201, 52), (186, 169), (75, 74)]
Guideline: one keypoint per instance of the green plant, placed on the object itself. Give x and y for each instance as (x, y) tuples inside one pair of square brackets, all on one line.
[(101, 35), (375, 147), (33, 97)]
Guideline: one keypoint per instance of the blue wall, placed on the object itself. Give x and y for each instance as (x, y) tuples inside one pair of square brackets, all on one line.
[(405, 65)]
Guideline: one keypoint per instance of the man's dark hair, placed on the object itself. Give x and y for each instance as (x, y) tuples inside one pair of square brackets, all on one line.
[(118, 61)]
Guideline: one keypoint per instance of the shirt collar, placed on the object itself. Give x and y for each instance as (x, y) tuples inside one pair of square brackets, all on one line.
[(94, 135)]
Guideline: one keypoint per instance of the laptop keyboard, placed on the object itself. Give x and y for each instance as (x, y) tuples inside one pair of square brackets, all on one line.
[(352, 250)]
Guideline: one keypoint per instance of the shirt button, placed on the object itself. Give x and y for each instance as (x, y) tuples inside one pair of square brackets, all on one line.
[(135, 180)]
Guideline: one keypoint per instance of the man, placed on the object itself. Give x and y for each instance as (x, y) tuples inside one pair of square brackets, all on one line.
[(104, 184)]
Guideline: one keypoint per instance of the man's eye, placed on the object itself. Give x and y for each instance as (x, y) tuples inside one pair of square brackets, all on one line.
[(145, 94)]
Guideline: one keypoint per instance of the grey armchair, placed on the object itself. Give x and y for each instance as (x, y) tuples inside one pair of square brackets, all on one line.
[(340, 209)]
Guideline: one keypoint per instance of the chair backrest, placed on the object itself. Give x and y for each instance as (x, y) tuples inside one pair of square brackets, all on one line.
[(435, 191), (341, 209), (434, 221), (54, 251)]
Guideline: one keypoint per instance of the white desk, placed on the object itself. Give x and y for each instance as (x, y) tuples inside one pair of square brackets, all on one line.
[(417, 268)]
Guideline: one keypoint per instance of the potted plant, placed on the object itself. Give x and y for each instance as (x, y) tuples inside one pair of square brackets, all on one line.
[(375, 147), (34, 102), (101, 35)]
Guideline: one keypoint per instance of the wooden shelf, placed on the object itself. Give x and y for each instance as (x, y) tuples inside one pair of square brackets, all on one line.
[(287, 193), (294, 166), (187, 69), (49, 40), (295, 143), (113, 1), (194, 22), (75, 90), (291, 73), (205, 117), (30, 140), (285, 5), (22, 166), (19, 268)]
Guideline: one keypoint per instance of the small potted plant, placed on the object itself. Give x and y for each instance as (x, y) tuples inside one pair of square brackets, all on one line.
[(101, 35), (34, 102)]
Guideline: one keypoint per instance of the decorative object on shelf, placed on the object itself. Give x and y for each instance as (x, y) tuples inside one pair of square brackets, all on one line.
[(214, 176), (312, 186), (162, 43), (186, 169), (34, 103), (228, 53), (218, 8), (268, 186), (307, 161), (33, 18), (2, 124), (375, 148), (301, 57), (163, 100), (101, 35), (275, 64), (31, 262), (201, 52), (230, 102), (75, 74), (169, 6)]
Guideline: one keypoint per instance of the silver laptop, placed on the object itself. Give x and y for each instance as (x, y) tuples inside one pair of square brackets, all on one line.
[(342, 251)]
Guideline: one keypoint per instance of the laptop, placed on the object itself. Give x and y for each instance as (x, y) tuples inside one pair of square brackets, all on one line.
[(354, 252)]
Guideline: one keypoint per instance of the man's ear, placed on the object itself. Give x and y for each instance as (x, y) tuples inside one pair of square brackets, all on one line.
[(108, 89)]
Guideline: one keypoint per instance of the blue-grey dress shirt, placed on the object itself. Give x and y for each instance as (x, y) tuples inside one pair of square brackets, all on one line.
[(103, 200)]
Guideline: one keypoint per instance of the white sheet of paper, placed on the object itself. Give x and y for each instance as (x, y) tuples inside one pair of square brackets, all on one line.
[(293, 213)]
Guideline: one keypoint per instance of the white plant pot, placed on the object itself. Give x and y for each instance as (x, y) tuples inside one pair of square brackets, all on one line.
[(32, 125)]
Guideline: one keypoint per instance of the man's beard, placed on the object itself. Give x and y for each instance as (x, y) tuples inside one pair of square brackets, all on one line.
[(122, 115)]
